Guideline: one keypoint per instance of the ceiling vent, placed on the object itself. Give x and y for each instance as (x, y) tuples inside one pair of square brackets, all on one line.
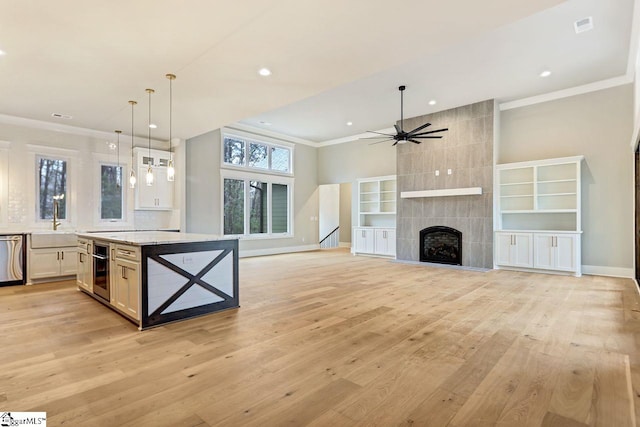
[(584, 24), (61, 116)]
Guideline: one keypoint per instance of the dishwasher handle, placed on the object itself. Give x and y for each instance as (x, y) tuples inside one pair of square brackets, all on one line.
[(10, 238), (102, 257)]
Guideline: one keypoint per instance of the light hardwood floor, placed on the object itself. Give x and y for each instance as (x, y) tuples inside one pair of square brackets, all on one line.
[(328, 339)]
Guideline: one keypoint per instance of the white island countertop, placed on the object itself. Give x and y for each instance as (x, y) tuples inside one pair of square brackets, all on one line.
[(143, 238)]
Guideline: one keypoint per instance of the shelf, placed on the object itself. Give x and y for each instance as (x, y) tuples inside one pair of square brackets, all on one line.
[(556, 194), (517, 195), (378, 213), (557, 180), (516, 183), (472, 191), (529, 211)]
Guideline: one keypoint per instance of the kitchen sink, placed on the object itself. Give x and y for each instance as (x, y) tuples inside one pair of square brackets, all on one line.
[(53, 239)]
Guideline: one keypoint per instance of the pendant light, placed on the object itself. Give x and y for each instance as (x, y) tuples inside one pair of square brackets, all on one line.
[(149, 177), (118, 132), (171, 171), (132, 175)]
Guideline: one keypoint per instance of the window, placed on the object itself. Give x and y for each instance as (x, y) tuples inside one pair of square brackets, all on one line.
[(111, 192), (257, 155), (256, 207), (52, 185)]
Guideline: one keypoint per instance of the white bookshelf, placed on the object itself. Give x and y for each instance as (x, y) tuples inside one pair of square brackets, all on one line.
[(539, 215), (375, 232)]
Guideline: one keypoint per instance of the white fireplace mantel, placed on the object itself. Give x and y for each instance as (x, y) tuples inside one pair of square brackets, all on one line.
[(471, 191)]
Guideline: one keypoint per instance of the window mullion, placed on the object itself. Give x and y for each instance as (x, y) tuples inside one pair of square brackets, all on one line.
[(247, 208)]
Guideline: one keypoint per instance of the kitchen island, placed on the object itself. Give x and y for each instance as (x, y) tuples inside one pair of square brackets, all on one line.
[(157, 277)]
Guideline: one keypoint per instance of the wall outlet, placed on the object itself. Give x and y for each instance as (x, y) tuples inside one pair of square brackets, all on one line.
[(437, 173), (448, 171)]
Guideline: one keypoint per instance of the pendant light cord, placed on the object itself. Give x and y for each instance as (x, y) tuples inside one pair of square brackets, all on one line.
[(170, 116)]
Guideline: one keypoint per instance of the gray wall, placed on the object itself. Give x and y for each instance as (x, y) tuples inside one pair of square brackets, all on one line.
[(466, 149), (597, 125), (345, 212), (203, 196), (348, 162)]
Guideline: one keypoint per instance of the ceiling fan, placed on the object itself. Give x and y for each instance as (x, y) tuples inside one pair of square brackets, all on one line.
[(401, 136)]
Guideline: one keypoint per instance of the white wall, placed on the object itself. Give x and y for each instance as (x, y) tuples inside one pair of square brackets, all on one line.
[(22, 143), (203, 199), (597, 125)]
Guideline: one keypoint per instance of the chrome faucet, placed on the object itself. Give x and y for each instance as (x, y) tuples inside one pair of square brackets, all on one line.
[(56, 200)]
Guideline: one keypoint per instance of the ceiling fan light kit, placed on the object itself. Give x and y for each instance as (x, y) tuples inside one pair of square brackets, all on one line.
[(401, 136)]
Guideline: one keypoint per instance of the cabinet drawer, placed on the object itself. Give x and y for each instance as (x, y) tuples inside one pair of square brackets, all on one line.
[(128, 252)]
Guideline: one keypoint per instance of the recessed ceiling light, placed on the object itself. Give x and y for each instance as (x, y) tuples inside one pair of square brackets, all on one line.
[(2, 52), (545, 73), (264, 72), (349, 123), (153, 126), (432, 102), (262, 122)]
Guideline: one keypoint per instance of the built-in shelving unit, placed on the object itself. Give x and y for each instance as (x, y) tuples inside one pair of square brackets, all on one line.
[(375, 233), (539, 213)]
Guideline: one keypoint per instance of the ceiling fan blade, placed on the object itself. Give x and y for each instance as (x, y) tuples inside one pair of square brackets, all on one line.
[(394, 144), (428, 137), (427, 133), (380, 133), (397, 128), (378, 137), (419, 128), (416, 141), (378, 142)]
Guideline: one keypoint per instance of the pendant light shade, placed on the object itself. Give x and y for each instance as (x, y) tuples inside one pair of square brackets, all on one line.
[(171, 171), (118, 174), (149, 177), (132, 175)]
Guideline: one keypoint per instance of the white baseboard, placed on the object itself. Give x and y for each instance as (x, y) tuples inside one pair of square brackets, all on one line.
[(275, 251), (600, 270), (344, 245)]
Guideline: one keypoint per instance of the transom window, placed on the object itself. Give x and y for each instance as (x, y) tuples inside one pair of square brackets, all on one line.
[(257, 155)]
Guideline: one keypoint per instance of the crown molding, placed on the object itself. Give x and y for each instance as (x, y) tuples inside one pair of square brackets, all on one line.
[(57, 127), (276, 135)]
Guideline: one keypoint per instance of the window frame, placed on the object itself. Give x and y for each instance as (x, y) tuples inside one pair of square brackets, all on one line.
[(67, 195), (123, 195), (248, 139), (269, 179)]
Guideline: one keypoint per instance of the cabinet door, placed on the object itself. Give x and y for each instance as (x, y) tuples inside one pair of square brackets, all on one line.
[(503, 248), (68, 261), (364, 240), (544, 251), (126, 291), (164, 190), (80, 275), (44, 263), (522, 251), (145, 195), (565, 255), (385, 242)]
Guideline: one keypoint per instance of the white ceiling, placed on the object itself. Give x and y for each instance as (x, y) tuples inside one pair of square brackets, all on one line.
[(332, 61)]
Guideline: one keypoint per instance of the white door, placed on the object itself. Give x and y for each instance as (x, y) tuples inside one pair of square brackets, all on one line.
[(145, 195), (503, 248), (544, 251), (391, 242), (522, 255), (44, 263), (565, 253), (68, 261), (365, 240), (164, 189)]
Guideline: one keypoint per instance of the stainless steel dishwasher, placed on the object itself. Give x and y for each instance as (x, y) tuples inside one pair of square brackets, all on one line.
[(12, 259)]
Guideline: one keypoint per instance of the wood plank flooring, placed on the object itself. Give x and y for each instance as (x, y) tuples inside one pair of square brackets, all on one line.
[(328, 339)]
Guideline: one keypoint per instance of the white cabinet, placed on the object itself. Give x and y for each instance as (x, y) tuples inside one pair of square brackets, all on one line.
[(376, 233), (364, 240), (158, 196), (125, 280), (555, 251), (52, 263), (385, 242), (126, 290), (85, 269), (514, 249), (540, 198), (374, 241)]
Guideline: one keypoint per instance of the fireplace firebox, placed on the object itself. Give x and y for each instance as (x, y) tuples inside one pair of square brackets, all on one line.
[(441, 244)]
